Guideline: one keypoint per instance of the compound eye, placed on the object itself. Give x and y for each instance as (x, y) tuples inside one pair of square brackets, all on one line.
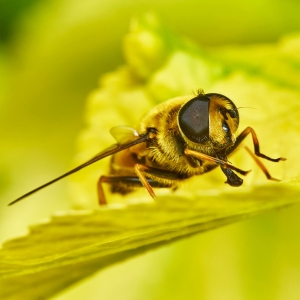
[(193, 119)]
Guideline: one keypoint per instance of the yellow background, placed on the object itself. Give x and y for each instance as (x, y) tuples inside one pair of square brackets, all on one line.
[(49, 64)]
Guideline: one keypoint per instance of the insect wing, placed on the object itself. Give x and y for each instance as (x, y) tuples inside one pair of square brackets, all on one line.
[(124, 134), (110, 151)]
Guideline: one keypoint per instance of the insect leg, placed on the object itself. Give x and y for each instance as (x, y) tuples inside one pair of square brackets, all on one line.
[(168, 179), (215, 160), (131, 181), (101, 195), (139, 170), (113, 179), (261, 165), (257, 152)]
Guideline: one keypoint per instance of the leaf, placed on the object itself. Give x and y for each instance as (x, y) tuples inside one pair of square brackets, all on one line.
[(73, 245)]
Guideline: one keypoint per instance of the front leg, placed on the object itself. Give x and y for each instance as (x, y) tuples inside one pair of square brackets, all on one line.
[(215, 160), (227, 168), (257, 152)]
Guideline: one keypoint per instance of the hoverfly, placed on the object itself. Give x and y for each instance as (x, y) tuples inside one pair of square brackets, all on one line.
[(177, 139)]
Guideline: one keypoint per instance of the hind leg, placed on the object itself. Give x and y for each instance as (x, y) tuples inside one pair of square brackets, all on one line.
[(129, 181), (126, 183)]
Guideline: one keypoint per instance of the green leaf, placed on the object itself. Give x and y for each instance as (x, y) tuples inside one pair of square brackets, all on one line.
[(73, 245)]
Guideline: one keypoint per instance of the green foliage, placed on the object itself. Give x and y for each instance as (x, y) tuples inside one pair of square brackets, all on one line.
[(160, 65), (76, 244)]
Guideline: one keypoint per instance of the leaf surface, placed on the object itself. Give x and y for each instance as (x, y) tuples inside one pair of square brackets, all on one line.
[(73, 245)]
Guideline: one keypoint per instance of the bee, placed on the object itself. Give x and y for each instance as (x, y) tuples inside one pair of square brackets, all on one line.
[(178, 139)]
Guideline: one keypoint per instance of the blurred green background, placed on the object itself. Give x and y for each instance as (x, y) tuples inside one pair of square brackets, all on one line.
[(51, 56)]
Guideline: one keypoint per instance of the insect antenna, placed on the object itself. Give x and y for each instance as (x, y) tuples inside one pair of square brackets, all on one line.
[(246, 107)]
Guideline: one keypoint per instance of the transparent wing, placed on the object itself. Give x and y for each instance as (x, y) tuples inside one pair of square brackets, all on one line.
[(124, 134), (110, 151)]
